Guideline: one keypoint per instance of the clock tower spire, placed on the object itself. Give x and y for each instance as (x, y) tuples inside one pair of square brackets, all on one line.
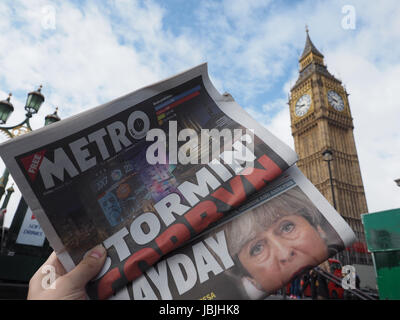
[(310, 53), (321, 121)]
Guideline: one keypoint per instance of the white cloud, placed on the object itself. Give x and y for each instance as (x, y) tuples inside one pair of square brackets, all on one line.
[(376, 113), (278, 123)]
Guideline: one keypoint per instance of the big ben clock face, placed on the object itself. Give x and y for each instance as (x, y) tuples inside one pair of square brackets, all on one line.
[(335, 100), (302, 105)]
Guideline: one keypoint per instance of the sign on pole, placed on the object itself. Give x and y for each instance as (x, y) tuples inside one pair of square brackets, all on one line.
[(30, 233)]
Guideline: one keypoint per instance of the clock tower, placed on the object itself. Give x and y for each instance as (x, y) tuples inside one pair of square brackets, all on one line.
[(322, 128)]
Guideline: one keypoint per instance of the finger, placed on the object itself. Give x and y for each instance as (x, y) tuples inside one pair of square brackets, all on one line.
[(53, 261), (88, 268)]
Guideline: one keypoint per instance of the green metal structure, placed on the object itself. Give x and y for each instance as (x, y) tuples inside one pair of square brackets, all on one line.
[(382, 232)]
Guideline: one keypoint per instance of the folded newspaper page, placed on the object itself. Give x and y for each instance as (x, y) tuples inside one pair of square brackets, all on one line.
[(282, 231), (146, 173)]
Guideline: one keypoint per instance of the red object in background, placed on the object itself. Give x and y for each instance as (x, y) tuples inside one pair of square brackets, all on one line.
[(3, 213), (335, 291), (360, 247)]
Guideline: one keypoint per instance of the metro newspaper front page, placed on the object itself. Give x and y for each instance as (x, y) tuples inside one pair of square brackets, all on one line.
[(191, 197)]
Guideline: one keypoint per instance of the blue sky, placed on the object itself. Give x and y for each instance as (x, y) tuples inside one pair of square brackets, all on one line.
[(88, 52)]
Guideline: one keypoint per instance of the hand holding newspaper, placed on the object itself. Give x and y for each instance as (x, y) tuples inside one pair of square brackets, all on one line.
[(147, 176)]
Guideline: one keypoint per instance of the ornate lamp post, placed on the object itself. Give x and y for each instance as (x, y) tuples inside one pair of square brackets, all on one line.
[(327, 156), (33, 103)]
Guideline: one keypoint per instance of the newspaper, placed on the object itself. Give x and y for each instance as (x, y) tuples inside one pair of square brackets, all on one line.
[(147, 173)]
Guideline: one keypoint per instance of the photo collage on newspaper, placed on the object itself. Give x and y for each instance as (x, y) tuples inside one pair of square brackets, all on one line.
[(214, 265)]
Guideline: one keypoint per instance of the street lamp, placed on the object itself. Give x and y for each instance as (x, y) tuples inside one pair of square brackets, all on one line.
[(327, 156), (33, 103), (51, 118), (6, 108)]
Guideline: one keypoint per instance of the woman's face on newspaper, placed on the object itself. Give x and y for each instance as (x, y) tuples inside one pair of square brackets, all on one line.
[(277, 255)]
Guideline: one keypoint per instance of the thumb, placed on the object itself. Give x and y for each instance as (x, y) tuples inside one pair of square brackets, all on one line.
[(88, 268)]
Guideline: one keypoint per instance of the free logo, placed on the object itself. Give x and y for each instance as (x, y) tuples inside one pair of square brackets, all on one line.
[(32, 163)]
